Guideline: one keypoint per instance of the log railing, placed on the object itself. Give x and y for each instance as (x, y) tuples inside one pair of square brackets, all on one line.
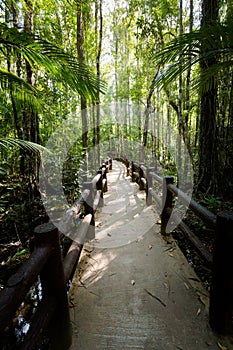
[(52, 314), (221, 291)]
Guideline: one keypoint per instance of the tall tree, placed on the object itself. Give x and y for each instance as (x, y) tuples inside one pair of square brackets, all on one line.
[(208, 152), (99, 39), (80, 29)]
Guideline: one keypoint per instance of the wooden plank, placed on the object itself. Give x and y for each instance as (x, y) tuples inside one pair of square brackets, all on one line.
[(208, 217)]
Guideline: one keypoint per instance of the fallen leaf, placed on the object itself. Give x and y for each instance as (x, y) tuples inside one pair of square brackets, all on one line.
[(203, 299), (168, 239), (209, 343), (72, 304), (88, 250), (194, 279), (133, 282), (172, 249), (221, 346), (150, 246), (198, 312)]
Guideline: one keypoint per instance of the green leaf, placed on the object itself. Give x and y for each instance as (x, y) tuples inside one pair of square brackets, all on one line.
[(26, 145), (52, 59)]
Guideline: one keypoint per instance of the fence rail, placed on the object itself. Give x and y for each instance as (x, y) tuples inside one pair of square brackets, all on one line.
[(221, 291), (52, 314)]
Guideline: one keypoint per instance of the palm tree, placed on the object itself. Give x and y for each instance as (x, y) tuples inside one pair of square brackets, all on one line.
[(186, 51), (39, 54), (52, 59), (210, 48)]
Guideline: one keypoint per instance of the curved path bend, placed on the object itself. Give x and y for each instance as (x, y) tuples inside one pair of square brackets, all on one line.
[(132, 290)]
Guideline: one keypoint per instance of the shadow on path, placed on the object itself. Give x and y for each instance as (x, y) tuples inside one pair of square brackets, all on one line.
[(132, 290)]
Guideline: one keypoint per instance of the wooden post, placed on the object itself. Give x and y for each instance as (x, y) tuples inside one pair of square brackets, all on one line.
[(107, 166), (89, 209), (99, 187), (53, 285), (221, 292), (140, 182), (132, 172), (167, 202), (127, 167), (148, 186), (110, 164), (104, 175)]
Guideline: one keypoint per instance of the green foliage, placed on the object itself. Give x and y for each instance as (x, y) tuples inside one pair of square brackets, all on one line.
[(213, 203), (42, 54), (198, 47), (26, 145), (21, 253)]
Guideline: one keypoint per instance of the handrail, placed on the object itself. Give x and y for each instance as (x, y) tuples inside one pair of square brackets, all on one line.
[(156, 177), (23, 278), (221, 291), (46, 261), (207, 216)]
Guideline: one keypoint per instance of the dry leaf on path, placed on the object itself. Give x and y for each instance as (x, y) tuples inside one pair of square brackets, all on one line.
[(172, 249), (203, 299), (221, 346), (209, 343), (72, 302)]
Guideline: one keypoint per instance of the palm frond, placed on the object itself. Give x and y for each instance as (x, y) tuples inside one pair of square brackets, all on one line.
[(10, 80), (42, 54), (7, 142), (208, 44), (19, 88)]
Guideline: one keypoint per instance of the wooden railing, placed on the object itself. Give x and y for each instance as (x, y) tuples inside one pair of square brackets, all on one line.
[(221, 291), (52, 314)]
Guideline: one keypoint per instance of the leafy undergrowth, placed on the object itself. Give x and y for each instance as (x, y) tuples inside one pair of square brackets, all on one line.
[(20, 211), (205, 234)]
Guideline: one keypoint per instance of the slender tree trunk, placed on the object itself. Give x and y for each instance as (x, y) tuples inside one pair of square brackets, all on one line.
[(180, 94), (208, 162), (83, 99), (228, 145), (30, 116), (187, 90), (147, 114), (100, 37), (116, 53)]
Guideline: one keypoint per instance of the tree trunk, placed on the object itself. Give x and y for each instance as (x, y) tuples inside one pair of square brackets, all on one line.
[(147, 113), (30, 116), (208, 164), (83, 100), (99, 35)]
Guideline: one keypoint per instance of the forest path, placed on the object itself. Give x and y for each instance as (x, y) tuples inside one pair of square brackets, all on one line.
[(132, 290)]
